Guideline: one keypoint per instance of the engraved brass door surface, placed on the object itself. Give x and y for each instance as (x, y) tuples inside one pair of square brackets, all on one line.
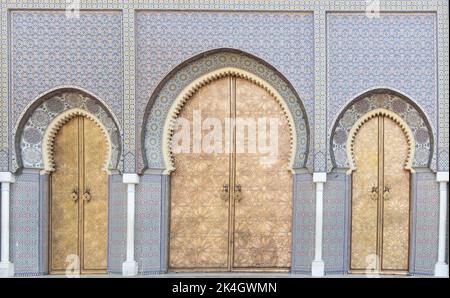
[(199, 209), (262, 237), (380, 198), (396, 199), (64, 229), (227, 210), (79, 206)]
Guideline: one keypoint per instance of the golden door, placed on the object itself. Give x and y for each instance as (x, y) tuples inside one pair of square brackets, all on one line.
[(380, 199), (231, 203), (79, 199)]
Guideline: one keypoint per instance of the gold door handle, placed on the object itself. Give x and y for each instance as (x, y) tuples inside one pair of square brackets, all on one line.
[(374, 193), (387, 193), (225, 193), (238, 193), (74, 195), (87, 195)]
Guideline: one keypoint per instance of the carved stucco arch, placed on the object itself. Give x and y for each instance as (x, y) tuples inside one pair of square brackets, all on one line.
[(55, 126), (32, 128), (393, 101), (204, 80), (179, 78), (365, 118)]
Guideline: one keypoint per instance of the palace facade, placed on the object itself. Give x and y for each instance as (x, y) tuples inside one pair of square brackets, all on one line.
[(94, 179)]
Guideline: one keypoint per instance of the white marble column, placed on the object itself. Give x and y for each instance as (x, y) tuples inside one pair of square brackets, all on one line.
[(130, 266), (318, 266), (441, 267), (6, 267)]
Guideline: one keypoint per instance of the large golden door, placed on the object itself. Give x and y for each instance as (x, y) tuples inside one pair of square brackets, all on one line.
[(380, 198), (79, 198), (231, 205)]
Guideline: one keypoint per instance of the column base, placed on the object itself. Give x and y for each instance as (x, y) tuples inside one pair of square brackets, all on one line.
[(318, 268), (441, 270), (6, 269), (129, 268)]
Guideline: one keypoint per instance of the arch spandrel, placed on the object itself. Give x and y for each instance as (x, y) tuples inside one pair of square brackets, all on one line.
[(169, 90), (392, 102), (37, 127)]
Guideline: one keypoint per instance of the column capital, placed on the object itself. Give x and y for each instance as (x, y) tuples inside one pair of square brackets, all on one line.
[(320, 177), (442, 176), (130, 178), (7, 177)]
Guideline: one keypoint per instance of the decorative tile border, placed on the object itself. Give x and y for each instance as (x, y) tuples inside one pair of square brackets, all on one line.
[(129, 111), (320, 106), (443, 85)]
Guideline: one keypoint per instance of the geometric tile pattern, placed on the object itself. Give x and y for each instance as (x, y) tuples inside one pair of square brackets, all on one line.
[(166, 39), (25, 230), (395, 51), (426, 222), (304, 219), (419, 125), (443, 84), (117, 224), (129, 82), (335, 222), (320, 92), (172, 45), (148, 237), (50, 50)]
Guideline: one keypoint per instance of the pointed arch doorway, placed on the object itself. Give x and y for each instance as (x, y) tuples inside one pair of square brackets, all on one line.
[(231, 207), (381, 150), (79, 198)]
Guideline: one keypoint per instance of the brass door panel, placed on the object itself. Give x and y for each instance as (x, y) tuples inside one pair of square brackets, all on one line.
[(211, 228), (380, 198), (365, 195), (79, 206), (262, 231), (64, 228), (94, 199), (199, 213), (396, 196)]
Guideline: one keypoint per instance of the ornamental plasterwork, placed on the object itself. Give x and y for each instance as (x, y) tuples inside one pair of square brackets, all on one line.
[(31, 141), (417, 123)]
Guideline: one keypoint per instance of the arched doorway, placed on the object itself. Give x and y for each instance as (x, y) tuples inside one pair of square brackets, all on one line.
[(380, 148), (231, 190), (78, 225)]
